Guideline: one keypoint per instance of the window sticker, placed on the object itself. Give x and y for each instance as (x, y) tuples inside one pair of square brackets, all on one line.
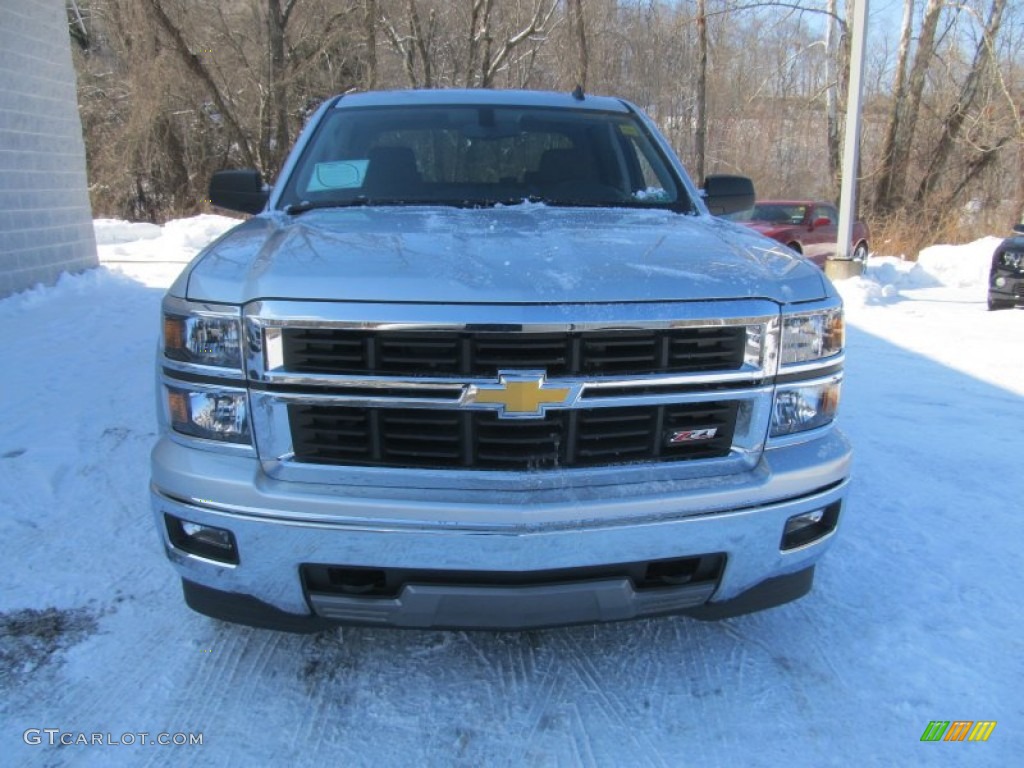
[(337, 174)]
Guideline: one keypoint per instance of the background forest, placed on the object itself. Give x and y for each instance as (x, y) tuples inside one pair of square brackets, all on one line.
[(172, 90)]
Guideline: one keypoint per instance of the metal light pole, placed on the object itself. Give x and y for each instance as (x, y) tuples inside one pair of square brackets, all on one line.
[(842, 265)]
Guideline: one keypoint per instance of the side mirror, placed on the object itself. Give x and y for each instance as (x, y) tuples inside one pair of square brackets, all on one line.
[(1018, 228), (728, 194), (238, 191)]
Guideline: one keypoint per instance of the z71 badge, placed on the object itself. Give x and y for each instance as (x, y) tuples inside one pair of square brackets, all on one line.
[(691, 435)]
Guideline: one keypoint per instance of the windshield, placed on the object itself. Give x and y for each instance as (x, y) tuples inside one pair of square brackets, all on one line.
[(774, 213), (481, 155)]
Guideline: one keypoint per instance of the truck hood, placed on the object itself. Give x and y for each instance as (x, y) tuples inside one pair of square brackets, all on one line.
[(522, 254)]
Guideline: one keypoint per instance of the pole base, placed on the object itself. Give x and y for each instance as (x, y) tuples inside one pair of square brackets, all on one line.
[(840, 269)]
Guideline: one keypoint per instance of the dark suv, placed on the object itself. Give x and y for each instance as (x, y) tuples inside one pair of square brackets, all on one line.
[(1006, 277)]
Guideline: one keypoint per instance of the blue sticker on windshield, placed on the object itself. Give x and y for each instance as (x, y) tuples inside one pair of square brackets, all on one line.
[(337, 174)]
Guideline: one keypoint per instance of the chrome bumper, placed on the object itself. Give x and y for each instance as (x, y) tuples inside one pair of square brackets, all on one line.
[(280, 525)]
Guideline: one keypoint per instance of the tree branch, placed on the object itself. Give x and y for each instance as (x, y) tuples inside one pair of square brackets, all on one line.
[(195, 65), (537, 24), (402, 49)]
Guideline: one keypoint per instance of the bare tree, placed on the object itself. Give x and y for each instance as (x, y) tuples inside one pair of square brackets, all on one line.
[(953, 123), (899, 94), (904, 113), (370, 20), (702, 89), (833, 67), (276, 133), (171, 90), (195, 65), (433, 55), (490, 64), (578, 23)]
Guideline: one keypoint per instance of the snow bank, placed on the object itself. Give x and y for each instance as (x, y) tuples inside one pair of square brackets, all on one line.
[(196, 232), (952, 266), (897, 273), (135, 252), (865, 291), (176, 241), (882, 281), (114, 231), (91, 283), (960, 266)]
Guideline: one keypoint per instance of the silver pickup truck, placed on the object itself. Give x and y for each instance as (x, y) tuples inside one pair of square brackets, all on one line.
[(486, 359)]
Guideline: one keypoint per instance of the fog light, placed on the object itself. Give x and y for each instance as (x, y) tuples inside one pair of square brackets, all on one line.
[(1000, 281), (202, 540), (806, 527)]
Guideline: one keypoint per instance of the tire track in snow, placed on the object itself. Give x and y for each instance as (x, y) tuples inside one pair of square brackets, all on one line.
[(615, 707), (583, 750), (612, 705), (511, 661), (548, 690)]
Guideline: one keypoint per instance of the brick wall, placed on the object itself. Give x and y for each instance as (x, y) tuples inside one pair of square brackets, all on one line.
[(45, 218)]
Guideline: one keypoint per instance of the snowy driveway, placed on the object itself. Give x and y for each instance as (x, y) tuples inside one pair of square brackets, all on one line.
[(915, 615)]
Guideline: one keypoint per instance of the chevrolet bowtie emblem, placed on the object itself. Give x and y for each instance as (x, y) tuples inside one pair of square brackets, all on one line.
[(521, 394)]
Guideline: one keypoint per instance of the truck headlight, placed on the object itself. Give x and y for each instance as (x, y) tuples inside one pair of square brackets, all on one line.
[(203, 337), (220, 415), (805, 406), (811, 336)]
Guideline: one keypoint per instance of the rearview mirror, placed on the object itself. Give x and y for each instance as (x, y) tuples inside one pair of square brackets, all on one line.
[(727, 194)]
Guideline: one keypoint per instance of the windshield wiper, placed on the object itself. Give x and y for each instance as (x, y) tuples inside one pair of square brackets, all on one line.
[(564, 202), (354, 202), (359, 202), (309, 205)]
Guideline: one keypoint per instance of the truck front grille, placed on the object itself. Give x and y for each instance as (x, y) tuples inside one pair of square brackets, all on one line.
[(451, 439), (483, 354)]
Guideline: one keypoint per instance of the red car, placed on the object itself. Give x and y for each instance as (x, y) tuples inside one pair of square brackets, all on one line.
[(806, 226)]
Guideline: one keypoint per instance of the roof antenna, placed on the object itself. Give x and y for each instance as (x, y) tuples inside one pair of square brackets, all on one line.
[(578, 93)]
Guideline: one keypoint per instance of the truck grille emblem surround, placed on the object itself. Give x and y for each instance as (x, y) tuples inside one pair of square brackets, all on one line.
[(521, 394)]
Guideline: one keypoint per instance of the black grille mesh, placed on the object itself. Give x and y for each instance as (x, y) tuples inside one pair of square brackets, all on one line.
[(451, 439), (451, 353)]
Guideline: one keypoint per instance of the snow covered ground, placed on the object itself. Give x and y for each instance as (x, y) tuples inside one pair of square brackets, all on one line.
[(915, 616)]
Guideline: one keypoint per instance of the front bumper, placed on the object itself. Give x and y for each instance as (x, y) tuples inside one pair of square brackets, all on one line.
[(1010, 292), (281, 526)]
